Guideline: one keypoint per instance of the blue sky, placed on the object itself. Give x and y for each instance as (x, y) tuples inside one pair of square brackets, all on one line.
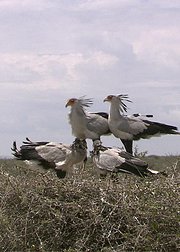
[(53, 50)]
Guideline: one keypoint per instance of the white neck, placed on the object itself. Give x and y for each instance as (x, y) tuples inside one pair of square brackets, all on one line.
[(114, 111), (78, 109), (77, 118)]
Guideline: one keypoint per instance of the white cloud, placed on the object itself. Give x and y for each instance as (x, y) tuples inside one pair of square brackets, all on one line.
[(54, 50), (159, 46), (19, 5), (49, 71), (100, 5), (165, 3)]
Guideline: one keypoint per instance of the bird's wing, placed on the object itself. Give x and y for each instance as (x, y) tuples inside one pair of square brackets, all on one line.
[(97, 123), (47, 153), (132, 159), (131, 164), (53, 152), (129, 167), (132, 126), (107, 160), (140, 128)]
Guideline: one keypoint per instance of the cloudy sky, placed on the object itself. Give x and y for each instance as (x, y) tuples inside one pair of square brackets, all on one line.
[(52, 50)]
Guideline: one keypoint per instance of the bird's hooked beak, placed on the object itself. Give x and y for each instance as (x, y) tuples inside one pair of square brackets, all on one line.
[(108, 98), (67, 104)]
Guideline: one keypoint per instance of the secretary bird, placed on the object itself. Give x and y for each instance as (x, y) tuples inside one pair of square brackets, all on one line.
[(114, 160), (129, 128), (58, 156), (86, 125)]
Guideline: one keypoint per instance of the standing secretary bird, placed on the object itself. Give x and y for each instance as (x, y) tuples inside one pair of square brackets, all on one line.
[(85, 124), (57, 156), (129, 128), (114, 160), (89, 125)]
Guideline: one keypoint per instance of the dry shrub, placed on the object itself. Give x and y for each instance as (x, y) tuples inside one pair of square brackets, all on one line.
[(39, 212)]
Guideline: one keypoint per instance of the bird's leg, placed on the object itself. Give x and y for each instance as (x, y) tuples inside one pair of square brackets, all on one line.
[(128, 144), (84, 163)]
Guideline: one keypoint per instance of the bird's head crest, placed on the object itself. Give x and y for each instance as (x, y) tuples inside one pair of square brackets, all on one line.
[(119, 100), (82, 101), (122, 99), (85, 102)]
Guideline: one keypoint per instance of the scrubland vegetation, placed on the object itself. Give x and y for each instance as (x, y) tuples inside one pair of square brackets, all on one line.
[(39, 212)]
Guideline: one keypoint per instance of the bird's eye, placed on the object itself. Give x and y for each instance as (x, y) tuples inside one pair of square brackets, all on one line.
[(72, 100)]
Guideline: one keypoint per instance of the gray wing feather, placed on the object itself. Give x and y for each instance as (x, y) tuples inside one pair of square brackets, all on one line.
[(132, 126), (134, 160), (107, 161), (97, 124), (53, 153)]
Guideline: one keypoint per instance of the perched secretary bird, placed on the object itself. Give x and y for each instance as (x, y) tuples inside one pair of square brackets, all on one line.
[(114, 160), (85, 124), (129, 128), (58, 156)]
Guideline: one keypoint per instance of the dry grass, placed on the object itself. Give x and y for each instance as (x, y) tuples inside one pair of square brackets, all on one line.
[(39, 212)]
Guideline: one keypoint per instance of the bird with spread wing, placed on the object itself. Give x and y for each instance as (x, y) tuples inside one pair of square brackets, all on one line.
[(58, 156), (114, 160), (129, 128), (86, 125)]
